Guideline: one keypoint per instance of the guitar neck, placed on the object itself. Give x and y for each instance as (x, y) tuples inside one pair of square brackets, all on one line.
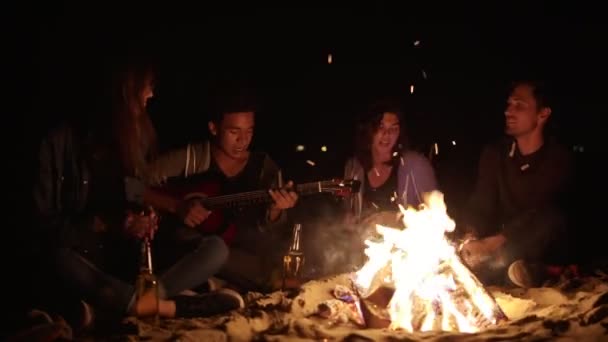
[(258, 196)]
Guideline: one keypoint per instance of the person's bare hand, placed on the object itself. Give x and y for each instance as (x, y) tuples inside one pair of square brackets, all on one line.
[(140, 224), (468, 237), (284, 198), (474, 253), (192, 212)]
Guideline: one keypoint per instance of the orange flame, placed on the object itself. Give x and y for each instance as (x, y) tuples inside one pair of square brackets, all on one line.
[(429, 278)]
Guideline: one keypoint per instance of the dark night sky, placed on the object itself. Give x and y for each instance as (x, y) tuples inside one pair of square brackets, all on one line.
[(469, 54)]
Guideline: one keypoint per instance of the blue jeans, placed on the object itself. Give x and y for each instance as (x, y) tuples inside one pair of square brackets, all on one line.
[(107, 291)]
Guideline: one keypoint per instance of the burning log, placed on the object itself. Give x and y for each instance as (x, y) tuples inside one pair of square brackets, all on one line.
[(476, 304), (374, 308), (414, 279)]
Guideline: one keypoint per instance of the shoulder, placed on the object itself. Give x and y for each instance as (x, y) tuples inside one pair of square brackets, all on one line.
[(498, 146), (351, 162), (414, 156), (559, 149), (414, 160), (353, 168), (494, 151), (263, 159), (560, 153), (260, 155)]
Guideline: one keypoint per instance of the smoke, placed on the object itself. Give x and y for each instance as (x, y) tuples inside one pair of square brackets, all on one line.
[(329, 245), (332, 246)]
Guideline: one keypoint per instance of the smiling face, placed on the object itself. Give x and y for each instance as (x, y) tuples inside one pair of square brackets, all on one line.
[(386, 136), (523, 115), (234, 133)]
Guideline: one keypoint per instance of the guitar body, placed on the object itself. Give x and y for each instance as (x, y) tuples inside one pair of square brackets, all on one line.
[(217, 222), (213, 197)]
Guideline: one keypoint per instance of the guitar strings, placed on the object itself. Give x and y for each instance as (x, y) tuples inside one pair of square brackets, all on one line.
[(257, 193)]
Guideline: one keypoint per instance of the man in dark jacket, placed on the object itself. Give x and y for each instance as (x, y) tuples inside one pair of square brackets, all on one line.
[(517, 211)]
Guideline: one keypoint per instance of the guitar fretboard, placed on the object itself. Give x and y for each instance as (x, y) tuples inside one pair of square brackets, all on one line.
[(262, 196)]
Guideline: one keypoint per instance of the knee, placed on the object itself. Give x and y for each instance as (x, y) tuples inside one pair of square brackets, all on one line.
[(215, 249)]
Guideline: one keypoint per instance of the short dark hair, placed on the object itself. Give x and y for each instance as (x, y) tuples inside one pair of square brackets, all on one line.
[(545, 94), (233, 99), (541, 90)]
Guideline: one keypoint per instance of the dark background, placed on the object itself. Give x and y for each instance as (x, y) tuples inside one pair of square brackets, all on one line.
[(58, 53), (469, 54)]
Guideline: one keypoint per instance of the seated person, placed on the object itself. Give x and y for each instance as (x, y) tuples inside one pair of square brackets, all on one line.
[(516, 215), (225, 165), (390, 174), (80, 206)]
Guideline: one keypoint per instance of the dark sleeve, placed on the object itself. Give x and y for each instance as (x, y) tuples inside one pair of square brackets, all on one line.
[(481, 210), (539, 234), (543, 231), (269, 178), (50, 216)]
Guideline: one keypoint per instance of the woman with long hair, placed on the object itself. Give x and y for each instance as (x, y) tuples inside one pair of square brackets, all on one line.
[(82, 209), (389, 172)]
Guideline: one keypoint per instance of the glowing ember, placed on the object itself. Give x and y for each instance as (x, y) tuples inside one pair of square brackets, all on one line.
[(433, 290)]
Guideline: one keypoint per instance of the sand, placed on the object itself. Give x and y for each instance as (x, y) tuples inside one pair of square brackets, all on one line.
[(573, 310)]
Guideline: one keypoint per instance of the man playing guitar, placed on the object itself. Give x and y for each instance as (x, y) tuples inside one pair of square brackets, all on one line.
[(223, 166)]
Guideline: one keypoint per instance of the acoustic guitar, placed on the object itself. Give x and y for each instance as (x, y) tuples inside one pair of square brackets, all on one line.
[(211, 197)]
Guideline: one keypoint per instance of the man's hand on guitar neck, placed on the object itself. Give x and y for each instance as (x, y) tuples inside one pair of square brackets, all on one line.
[(283, 199), (192, 212)]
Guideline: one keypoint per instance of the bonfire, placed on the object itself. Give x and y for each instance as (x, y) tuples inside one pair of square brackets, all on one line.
[(413, 286), (428, 285)]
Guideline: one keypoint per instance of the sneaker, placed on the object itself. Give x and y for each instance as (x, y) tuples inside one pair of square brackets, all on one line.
[(523, 274), (212, 284), (208, 304)]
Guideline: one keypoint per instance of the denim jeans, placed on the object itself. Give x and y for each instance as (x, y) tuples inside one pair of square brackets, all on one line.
[(108, 291)]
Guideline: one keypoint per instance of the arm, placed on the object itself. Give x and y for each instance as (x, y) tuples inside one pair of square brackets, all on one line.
[(353, 203), (535, 234), (348, 203), (54, 220), (481, 208), (271, 178), (416, 178), (182, 162), (544, 227)]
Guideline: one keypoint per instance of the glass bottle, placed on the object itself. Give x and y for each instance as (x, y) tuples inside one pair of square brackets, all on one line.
[(293, 261), (146, 285)]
